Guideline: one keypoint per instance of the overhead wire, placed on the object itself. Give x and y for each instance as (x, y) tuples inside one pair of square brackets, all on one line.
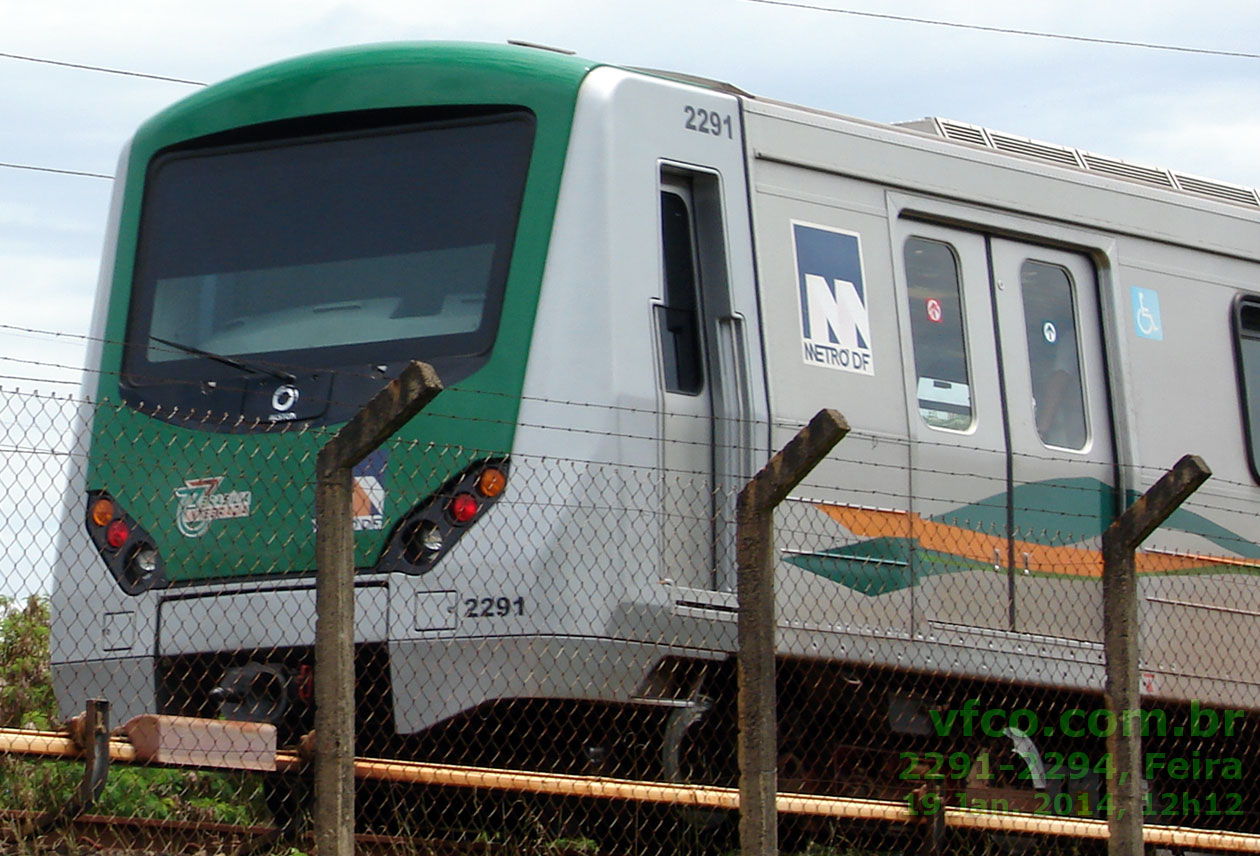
[(1009, 31), (85, 67), (793, 4), (102, 69), (55, 171)]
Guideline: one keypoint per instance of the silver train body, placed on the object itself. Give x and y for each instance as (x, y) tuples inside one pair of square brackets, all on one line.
[(812, 238)]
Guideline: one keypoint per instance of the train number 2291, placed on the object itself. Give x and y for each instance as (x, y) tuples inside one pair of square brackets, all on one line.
[(493, 607), (708, 122)]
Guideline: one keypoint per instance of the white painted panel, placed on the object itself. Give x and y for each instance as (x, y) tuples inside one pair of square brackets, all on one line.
[(260, 619)]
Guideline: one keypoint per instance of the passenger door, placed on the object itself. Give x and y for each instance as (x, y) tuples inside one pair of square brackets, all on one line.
[(1062, 451), (959, 449), (1012, 458)]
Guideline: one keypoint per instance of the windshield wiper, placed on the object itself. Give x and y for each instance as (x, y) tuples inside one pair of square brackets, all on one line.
[(240, 365)]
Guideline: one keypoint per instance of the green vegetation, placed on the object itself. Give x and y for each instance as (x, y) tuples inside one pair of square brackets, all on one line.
[(158, 793), (26, 701), (26, 696)]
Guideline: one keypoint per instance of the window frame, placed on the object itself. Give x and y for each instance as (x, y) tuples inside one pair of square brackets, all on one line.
[(973, 416), (1250, 420), (203, 382)]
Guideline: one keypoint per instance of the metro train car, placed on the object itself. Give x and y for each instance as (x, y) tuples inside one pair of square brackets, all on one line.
[(636, 286)]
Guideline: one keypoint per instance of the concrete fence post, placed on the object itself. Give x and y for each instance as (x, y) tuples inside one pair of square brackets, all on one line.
[(758, 727), (1120, 645), (389, 410)]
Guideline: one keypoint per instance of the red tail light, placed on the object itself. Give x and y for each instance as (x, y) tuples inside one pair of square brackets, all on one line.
[(127, 549), (117, 533), (463, 508), (430, 529)]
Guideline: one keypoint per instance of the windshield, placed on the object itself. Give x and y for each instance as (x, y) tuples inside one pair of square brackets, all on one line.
[(322, 256)]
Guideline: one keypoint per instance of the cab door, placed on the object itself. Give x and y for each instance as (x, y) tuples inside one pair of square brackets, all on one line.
[(704, 385)]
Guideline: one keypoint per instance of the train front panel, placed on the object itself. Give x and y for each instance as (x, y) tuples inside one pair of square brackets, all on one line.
[(281, 245)]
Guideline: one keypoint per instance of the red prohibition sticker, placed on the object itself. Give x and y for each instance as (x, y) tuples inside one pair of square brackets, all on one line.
[(936, 313)]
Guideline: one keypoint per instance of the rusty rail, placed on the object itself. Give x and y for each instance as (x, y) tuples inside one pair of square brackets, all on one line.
[(56, 745), (93, 743)]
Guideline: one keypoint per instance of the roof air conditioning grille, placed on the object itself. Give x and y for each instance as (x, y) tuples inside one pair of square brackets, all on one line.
[(1033, 149), (1133, 172), (1217, 189), (961, 133)]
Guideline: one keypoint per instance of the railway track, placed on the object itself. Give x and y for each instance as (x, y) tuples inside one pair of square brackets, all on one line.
[(192, 837), (107, 834), (116, 836)]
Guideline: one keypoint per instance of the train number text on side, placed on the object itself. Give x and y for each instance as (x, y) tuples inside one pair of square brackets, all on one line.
[(493, 607), (705, 121)]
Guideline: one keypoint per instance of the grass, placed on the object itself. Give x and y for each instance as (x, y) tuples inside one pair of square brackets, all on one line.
[(27, 701)]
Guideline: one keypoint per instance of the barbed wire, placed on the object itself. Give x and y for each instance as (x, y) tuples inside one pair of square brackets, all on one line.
[(843, 458), (30, 379), (779, 423)]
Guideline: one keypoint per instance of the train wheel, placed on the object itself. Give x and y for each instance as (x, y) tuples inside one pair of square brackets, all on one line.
[(1010, 775), (695, 750)]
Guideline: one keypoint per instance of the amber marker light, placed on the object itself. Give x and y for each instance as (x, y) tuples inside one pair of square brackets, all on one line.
[(491, 482), (102, 512)]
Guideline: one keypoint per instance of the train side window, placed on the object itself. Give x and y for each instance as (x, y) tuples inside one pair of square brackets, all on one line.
[(679, 318), (936, 329), (1054, 360), (1247, 343)]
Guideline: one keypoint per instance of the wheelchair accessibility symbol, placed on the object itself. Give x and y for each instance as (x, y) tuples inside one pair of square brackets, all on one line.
[(1146, 320)]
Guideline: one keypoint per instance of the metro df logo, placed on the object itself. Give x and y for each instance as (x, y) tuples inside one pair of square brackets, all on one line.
[(835, 324)]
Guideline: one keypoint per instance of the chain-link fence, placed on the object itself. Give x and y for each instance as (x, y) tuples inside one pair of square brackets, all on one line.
[(546, 647)]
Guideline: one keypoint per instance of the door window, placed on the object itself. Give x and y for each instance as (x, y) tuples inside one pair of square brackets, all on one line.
[(682, 358), (936, 328), (1054, 361)]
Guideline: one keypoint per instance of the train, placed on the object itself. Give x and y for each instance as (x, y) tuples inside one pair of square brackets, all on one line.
[(635, 286)]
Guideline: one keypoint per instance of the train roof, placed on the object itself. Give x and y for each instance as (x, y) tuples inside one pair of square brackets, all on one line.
[(1012, 144), (1166, 179), (555, 63)]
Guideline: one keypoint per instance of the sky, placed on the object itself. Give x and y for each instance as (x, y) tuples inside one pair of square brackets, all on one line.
[(1188, 110), (1194, 112)]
